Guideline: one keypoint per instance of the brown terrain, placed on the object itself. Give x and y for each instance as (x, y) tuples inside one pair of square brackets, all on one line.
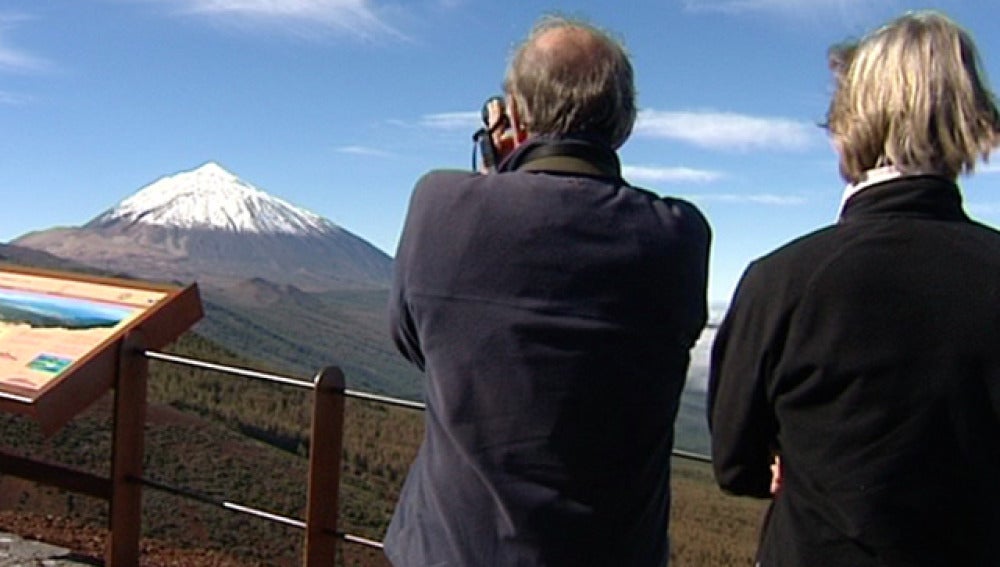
[(707, 530)]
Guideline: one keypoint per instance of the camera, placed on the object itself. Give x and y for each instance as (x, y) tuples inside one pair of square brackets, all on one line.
[(483, 138)]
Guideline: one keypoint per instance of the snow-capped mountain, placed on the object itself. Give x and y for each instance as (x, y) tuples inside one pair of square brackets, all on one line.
[(208, 225), (281, 285), (212, 198)]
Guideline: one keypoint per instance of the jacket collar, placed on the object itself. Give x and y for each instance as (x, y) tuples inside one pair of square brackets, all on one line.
[(930, 196), (568, 154)]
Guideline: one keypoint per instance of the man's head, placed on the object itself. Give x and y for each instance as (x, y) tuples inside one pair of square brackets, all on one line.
[(569, 77), (911, 95)]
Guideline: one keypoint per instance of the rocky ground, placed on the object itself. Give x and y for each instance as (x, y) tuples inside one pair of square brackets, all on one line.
[(50, 541)]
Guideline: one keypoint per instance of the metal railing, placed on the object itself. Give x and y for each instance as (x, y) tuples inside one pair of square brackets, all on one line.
[(324, 475)]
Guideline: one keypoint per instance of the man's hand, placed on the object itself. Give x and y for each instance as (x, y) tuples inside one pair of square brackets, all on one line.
[(499, 126), (777, 475)]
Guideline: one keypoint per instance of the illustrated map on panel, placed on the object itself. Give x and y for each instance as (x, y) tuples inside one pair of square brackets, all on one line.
[(48, 323)]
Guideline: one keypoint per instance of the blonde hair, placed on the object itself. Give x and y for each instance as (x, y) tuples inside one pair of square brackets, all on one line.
[(911, 94), (585, 85)]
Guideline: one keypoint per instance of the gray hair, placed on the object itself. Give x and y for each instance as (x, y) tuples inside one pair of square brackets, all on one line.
[(584, 86), (911, 94)]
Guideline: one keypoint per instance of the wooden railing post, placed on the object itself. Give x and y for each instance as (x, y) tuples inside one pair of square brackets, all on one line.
[(125, 518), (326, 443)]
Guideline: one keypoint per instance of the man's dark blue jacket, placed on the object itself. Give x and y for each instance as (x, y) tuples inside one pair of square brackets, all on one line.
[(553, 314)]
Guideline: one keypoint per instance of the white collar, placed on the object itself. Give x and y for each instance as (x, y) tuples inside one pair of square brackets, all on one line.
[(874, 177)]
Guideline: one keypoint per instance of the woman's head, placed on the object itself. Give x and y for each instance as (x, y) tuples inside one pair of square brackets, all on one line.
[(911, 94)]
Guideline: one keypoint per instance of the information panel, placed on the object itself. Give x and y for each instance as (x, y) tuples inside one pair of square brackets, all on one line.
[(54, 325), (46, 325)]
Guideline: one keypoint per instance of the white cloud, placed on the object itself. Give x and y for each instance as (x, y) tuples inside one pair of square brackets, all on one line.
[(670, 174), (452, 121), (363, 151), (713, 130), (756, 199), (358, 18), (726, 130), (9, 98), (12, 58), (793, 7)]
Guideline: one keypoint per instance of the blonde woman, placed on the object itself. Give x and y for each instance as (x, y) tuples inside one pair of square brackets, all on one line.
[(867, 354)]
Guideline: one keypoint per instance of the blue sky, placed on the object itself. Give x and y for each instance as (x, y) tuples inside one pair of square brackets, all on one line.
[(338, 106)]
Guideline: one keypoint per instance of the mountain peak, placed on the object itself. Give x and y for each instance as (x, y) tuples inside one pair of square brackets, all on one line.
[(213, 198), (213, 168)]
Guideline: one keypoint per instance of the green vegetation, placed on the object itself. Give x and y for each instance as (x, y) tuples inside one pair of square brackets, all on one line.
[(301, 332), (708, 528)]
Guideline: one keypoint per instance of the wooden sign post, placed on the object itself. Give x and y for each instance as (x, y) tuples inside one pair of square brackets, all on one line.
[(65, 340), (325, 446)]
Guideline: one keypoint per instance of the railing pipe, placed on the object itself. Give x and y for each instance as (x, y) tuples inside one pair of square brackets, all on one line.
[(361, 541), (692, 456), (251, 511), (408, 404), (225, 369), (232, 506), (277, 518)]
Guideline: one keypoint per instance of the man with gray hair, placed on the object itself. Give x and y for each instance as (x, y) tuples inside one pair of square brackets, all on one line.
[(552, 307)]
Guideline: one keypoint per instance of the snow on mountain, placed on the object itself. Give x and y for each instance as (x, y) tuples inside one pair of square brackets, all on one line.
[(210, 197)]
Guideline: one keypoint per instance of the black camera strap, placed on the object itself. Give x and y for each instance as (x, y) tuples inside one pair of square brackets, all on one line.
[(566, 156)]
